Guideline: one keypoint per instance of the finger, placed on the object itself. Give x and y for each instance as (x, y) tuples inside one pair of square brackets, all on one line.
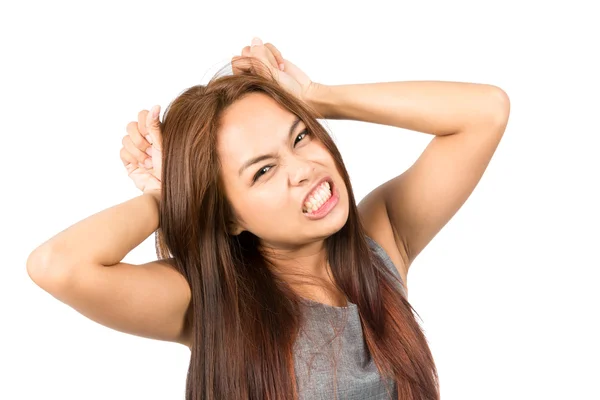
[(141, 157), (137, 141), (142, 122), (277, 54), (131, 167), (271, 57), (244, 63), (153, 127), (127, 159), (292, 69), (256, 42), (142, 143), (133, 130), (258, 50)]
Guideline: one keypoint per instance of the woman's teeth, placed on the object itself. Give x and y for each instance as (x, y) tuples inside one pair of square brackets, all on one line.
[(317, 198)]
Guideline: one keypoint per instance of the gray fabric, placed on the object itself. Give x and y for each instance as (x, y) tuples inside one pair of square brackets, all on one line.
[(318, 356)]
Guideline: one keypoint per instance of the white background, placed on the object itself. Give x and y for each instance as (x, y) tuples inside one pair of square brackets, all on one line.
[(508, 290)]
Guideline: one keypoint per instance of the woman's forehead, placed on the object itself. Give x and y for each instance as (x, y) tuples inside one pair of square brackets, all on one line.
[(251, 127), (254, 113)]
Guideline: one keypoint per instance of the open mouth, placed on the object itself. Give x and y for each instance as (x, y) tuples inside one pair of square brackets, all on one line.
[(318, 198)]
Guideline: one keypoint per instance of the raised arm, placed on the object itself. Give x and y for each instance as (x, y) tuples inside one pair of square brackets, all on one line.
[(81, 267), (468, 121)]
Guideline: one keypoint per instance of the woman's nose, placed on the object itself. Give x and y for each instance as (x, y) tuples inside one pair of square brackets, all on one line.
[(300, 171)]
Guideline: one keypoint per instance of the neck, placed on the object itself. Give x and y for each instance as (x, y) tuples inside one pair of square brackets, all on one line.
[(306, 270), (309, 259)]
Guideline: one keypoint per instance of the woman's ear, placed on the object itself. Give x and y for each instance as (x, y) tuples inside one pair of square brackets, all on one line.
[(234, 228), (234, 224)]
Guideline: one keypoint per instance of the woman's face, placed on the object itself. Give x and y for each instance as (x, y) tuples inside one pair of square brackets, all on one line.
[(270, 173)]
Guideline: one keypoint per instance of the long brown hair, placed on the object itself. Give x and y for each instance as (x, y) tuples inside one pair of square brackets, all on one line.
[(244, 318)]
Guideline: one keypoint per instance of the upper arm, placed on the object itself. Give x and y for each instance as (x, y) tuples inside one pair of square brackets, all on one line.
[(149, 300), (414, 206), (376, 222)]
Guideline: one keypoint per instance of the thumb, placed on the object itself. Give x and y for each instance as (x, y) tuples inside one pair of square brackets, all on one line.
[(153, 128)]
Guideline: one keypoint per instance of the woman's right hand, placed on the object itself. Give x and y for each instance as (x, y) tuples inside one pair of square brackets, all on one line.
[(141, 153)]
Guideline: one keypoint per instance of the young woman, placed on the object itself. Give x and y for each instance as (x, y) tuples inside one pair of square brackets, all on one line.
[(278, 282)]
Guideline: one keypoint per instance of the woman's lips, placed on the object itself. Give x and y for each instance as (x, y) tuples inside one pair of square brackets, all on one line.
[(315, 186), (315, 189), (326, 207)]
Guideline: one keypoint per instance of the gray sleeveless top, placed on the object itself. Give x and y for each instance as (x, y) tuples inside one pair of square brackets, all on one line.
[(321, 360)]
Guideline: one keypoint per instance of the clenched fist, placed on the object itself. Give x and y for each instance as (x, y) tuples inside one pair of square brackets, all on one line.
[(141, 153)]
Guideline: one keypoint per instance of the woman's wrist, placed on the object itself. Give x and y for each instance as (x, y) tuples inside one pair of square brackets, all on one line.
[(315, 96), (155, 194)]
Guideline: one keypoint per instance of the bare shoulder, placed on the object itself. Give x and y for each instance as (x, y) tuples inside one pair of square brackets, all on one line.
[(376, 222)]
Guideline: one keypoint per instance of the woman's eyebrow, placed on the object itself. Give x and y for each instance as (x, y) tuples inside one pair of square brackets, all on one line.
[(262, 157)]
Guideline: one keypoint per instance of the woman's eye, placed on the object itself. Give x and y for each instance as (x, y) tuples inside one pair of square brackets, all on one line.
[(261, 172), (301, 136), (266, 168)]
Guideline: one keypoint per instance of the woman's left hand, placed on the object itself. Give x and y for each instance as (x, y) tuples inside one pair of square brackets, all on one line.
[(291, 78)]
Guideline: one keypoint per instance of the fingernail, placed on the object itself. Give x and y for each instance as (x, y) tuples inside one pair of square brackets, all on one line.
[(256, 41), (155, 112), (149, 139), (148, 163), (149, 151), (281, 66)]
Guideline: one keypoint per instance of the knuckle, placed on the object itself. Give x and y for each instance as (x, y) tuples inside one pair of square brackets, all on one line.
[(137, 141), (126, 156), (273, 49), (142, 121), (140, 156), (132, 127)]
